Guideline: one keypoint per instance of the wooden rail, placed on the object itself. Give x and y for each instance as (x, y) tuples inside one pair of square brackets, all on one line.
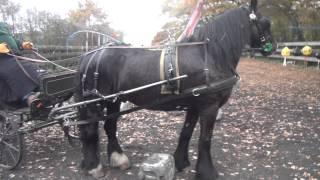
[(58, 52), (296, 54), (61, 52)]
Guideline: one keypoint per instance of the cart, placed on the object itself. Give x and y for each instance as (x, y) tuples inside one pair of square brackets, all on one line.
[(56, 88)]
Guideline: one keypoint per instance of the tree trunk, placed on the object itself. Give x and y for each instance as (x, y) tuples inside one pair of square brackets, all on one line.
[(297, 32)]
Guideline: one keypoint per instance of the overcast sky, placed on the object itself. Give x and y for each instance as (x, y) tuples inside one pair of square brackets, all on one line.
[(138, 19)]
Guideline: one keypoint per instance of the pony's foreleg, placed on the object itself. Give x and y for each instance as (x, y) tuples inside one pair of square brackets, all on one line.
[(89, 137), (115, 154), (181, 153), (205, 169)]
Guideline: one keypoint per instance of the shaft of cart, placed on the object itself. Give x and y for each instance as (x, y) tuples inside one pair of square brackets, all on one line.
[(112, 96)]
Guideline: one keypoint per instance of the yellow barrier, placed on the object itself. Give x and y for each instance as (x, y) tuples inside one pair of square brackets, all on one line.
[(306, 51), (285, 52)]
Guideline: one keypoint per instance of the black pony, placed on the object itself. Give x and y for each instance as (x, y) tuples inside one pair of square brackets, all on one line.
[(120, 69)]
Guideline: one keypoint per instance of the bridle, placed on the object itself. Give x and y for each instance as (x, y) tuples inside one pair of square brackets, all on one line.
[(254, 21), (265, 46)]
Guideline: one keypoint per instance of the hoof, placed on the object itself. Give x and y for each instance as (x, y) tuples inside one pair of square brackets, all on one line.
[(182, 165), (211, 176), (120, 161), (181, 161), (97, 172)]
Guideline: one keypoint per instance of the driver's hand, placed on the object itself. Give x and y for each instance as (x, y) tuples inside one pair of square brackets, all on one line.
[(27, 45), (4, 48)]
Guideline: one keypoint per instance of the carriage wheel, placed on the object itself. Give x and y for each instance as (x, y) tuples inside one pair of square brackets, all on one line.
[(11, 142)]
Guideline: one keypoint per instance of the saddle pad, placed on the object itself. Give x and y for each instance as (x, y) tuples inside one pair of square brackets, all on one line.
[(169, 69)]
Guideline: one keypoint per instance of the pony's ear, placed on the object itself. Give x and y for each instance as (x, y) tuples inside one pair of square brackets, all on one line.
[(253, 5)]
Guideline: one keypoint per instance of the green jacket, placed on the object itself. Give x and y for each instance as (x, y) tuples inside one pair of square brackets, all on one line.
[(7, 37)]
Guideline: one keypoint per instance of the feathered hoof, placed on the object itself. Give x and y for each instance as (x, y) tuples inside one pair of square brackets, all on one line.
[(97, 172), (120, 161)]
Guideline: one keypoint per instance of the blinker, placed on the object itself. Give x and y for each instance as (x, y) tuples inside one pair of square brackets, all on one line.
[(252, 16)]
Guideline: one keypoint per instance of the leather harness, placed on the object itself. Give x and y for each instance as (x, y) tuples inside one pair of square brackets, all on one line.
[(94, 91), (170, 68)]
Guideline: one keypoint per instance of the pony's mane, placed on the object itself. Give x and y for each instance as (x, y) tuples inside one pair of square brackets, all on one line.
[(226, 22), (227, 34)]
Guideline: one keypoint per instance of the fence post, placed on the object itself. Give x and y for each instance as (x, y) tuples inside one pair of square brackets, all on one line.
[(284, 61), (87, 39)]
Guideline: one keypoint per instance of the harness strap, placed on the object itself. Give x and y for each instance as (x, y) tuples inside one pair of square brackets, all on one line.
[(96, 73), (206, 69), (149, 47), (254, 20), (261, 35), (213, 87), (84, 76), (94, 91), (169, 69)]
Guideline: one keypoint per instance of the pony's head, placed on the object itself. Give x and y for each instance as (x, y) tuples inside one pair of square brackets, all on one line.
[(260, 31)]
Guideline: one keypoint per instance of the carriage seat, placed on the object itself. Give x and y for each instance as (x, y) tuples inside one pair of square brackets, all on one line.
[(55, 88)]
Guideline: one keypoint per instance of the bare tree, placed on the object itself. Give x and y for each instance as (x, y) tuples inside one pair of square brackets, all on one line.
[(9, 10)]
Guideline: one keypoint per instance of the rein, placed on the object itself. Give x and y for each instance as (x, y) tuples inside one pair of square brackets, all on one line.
[(44, 60), (148, 47), (25, 71)]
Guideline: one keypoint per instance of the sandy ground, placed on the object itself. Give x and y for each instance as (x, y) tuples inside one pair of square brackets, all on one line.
[(270, 130)]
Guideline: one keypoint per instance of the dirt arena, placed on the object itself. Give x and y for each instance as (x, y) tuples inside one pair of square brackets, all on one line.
[(270, 130)]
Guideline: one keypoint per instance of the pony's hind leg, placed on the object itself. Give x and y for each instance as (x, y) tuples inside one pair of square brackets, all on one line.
[(181, 153), (89, 137), (204, 167), (115, 154)]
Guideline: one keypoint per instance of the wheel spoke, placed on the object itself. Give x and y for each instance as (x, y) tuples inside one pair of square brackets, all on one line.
[(6, 132), (2, 158), (10, 146), (12, 155), (4, 162)]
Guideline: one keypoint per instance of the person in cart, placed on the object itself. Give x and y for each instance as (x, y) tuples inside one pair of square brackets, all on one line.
[(19, 80)]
